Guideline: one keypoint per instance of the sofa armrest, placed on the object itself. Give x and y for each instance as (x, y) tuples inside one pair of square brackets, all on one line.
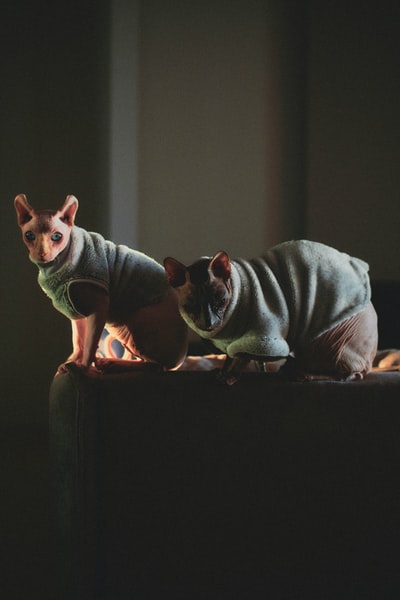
[(171, 485)]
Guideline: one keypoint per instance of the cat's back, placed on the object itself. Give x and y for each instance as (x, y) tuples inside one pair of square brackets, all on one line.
[(300, 260), (135, 279), (318, 285), (308, 253)]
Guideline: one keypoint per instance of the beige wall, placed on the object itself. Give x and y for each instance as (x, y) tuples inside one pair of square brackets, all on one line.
[(202, 128), (214, 106)]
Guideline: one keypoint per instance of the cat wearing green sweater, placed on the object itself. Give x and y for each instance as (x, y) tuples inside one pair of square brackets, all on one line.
[(301, 299), (96, 283)]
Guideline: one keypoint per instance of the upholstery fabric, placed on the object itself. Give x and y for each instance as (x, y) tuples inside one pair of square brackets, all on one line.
[(168, 485)]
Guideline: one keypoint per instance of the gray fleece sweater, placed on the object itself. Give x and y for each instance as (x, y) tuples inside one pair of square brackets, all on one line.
[(296, 292), (131, 278)]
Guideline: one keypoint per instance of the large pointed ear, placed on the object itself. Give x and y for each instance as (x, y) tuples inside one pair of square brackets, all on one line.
[(25, 212), (68, 210), (176, 272), (220, 265)]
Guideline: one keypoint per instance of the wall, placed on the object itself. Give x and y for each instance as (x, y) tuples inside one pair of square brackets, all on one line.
[(202, 144), (353, 130), (263, 121), (53, 141), (219, 83)]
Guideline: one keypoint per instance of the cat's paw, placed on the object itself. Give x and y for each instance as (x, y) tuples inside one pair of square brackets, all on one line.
[(62, 369), (225, 377), (387, 360), (71, 365)]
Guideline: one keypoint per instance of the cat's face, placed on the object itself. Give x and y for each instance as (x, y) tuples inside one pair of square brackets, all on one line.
[(45, 233), (204, 289)]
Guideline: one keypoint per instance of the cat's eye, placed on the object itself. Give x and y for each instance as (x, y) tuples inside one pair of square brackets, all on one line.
[(220, 304), (56, 237), (30, 236)]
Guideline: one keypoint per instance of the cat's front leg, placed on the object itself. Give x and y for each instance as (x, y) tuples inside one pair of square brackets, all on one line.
[(93, 302), (233, 368), (95, 323), (79, 327)]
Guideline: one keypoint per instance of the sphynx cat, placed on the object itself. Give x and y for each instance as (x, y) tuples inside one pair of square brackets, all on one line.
[(96, 283), (302, 299)]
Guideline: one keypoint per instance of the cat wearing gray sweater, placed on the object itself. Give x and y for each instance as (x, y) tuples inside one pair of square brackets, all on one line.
[(301, 299), (96, 283)]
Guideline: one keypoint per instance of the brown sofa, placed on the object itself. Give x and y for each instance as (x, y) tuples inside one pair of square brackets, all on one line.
[(170, 485)]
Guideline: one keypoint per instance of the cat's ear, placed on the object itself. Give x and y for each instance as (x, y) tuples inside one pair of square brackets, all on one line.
[(68, 210), (176, 272), (24, 210), (220, 265)]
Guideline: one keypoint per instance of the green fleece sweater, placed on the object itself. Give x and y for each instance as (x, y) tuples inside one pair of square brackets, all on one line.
[(290, 296), (131, 278)]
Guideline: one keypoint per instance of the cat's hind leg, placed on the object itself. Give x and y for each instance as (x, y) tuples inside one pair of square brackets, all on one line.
[(156, 333), (345, 352)]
